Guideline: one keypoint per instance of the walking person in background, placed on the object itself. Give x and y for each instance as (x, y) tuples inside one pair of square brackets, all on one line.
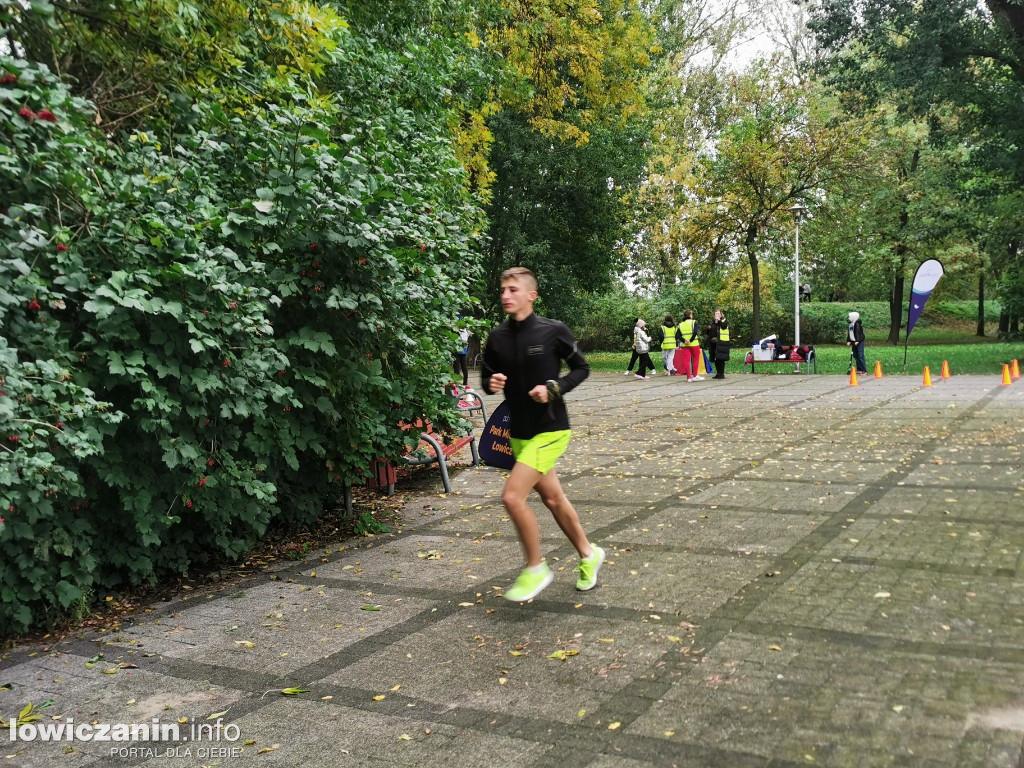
[(635, 357), (643, 349), (670, 339), (855, 340), (523, 359), (718, 333), (461, 363), (691, 347)]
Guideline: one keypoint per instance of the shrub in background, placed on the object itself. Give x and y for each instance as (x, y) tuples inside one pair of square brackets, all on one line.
[(208, 333)]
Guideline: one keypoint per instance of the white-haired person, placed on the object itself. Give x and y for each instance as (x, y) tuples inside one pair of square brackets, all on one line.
[(642, 343), (855, 340)]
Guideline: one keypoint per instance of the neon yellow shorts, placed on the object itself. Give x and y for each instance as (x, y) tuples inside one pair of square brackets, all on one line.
[(541, 451)]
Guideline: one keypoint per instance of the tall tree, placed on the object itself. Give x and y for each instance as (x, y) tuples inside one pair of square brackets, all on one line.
[(781, 146), (568, 131), (960, 53)]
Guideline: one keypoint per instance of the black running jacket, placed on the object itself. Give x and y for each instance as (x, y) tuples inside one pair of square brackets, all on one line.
[(530, 352)]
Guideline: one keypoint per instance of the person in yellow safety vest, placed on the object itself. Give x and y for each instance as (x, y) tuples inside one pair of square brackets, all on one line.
[(670, 339), (691, 347), (719, 334)]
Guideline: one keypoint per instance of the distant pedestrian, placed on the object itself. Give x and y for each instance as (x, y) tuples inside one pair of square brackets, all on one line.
[(719, 343), (635, 356), (855, 340), (643, 349), (523, 359), (691, 347), (461, 362), (671, 338)]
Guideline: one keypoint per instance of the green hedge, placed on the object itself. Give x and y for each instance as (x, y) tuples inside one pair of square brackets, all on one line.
[(606, 320), (209, 334)]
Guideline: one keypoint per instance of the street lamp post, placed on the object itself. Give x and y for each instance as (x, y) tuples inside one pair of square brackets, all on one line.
[(798, 213)]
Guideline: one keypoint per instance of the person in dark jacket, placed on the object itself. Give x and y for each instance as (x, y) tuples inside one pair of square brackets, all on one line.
[(855, 340), (523, 359), (719, 343)]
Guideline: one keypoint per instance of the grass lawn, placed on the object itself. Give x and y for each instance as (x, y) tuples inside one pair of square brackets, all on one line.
[(964, 357)]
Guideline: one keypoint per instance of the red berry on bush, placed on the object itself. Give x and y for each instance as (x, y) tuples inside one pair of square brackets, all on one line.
[(209, 463), (61, 247), (232, 305), (13, 438), (227, 363), (34, 305), (314, 247), (9, 77), (279, 373), (188, 504), (60, 425), (27, 113), (47, 115), (202, 482), (423, 248)]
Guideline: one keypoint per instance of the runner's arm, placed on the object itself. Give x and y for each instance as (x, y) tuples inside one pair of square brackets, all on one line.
[(579, 369), (486, 369)]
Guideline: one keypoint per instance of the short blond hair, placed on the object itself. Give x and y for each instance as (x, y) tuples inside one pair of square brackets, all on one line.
[(520, 274)]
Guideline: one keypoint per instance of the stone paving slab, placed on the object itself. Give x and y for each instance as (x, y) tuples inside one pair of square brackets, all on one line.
[(800, 573), (714, 529), (779, 696)]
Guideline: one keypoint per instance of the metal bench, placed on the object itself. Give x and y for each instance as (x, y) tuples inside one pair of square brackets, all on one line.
[(809, 363)]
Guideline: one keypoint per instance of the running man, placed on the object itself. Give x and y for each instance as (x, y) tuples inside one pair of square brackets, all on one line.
[(523, 358)]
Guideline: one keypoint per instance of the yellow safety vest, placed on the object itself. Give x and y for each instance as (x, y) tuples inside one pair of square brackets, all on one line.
[(669, 332), (723, 335), (687, 328)]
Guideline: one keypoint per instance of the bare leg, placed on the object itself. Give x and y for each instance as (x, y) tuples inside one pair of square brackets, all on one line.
[(520, 482), (550, 489)]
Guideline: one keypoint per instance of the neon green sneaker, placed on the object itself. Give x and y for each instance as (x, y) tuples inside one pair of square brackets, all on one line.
[(588, 568), (529, 583)]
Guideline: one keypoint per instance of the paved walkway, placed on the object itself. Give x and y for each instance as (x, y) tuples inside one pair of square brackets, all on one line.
[(800, 573)]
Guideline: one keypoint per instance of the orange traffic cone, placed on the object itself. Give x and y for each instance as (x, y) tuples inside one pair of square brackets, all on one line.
[(853, 377), (1006, 375), (1014, 370), (878, 369), (945, 369), (927, 377)]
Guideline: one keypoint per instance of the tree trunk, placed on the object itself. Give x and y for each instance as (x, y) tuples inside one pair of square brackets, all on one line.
[(981, 304), (896, 305), (896, 298), (1014, 326), (755, 279), (1004, 324)]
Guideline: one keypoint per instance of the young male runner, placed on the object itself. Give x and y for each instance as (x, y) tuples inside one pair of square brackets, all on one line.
[(523, 359)]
